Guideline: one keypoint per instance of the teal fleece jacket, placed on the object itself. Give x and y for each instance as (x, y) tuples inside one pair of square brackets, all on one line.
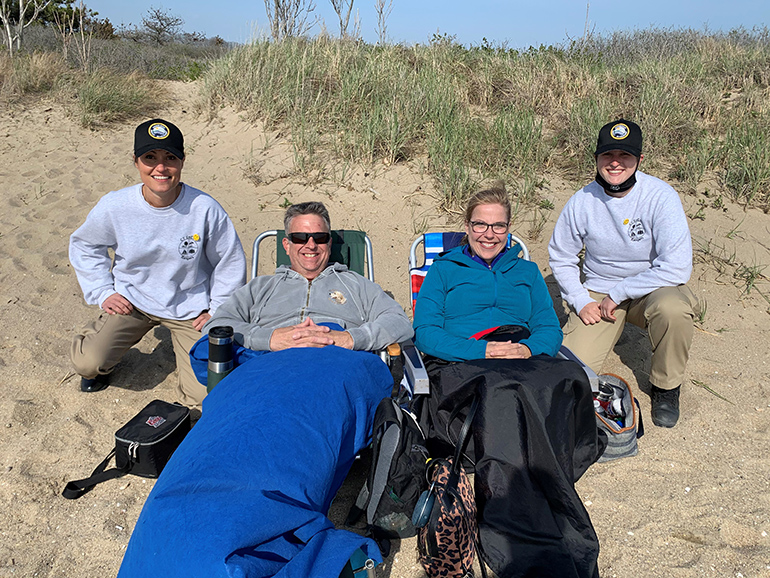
[(461, 297)]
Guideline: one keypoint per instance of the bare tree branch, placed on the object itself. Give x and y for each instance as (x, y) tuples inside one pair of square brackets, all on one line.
[(383, 9), (290, 17), (13, 31), (161, 26), (343, 8)]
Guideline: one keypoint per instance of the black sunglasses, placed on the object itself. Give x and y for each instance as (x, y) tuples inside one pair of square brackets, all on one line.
[(301, 238)]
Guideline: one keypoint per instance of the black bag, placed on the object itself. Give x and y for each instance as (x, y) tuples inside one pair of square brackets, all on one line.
[(448, 538), (396, 476), (142, 447)]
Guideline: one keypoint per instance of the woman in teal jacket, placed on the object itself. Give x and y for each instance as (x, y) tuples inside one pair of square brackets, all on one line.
[(487, 324), (481, 286)]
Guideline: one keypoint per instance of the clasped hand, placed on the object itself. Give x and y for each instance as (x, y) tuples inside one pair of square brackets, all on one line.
[(116, 304), (308, 334), (594, 312), (507, 350)]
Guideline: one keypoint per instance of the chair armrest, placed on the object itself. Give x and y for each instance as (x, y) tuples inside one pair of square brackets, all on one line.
[(566, 353), (414, 370)]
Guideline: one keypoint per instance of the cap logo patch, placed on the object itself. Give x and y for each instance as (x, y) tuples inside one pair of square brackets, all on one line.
[(159, 131), (619, 131)]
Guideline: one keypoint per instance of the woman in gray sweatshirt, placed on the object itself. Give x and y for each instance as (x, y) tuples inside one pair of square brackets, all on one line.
[(157, 253)]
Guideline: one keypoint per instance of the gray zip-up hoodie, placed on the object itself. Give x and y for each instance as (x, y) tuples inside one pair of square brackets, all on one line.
[(337, 295)]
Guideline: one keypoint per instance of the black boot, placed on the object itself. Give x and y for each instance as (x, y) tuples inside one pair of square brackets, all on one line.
[(665, 406), (98, 383)]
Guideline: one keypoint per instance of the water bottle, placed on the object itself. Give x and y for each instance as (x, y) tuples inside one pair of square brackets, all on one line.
[(603, 398), (220, 355)]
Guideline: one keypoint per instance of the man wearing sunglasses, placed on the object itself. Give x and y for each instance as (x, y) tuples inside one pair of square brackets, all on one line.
[(312, 303)]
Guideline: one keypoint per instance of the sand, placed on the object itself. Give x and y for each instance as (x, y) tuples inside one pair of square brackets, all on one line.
[(694, 502)]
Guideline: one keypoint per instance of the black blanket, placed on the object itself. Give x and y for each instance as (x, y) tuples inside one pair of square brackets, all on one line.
[(534, 436)]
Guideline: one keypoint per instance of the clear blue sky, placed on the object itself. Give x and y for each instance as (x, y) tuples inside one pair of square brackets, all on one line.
[(520, 23)]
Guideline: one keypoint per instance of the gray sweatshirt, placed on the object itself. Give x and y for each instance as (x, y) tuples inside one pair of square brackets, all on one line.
[(337, 295), (633, 244), (173, 262)]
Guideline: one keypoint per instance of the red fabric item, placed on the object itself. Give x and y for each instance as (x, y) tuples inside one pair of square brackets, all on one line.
[(483, 332)]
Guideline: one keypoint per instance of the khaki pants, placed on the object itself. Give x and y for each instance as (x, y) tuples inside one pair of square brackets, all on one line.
[(667, 314), (98, 348)]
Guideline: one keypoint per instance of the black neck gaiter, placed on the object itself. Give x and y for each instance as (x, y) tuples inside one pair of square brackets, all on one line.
[(621, 188)]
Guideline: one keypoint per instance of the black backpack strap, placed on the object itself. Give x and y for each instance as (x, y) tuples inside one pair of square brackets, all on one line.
[(77, 488), (397, 373), (640, 427), (462, 440), (460, 447), (456, 410), (451, 487), (384, 444)]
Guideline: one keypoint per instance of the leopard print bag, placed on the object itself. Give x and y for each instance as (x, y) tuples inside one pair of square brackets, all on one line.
[(448, 542)]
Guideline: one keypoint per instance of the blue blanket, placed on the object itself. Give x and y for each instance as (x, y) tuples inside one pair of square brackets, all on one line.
[(199, 357), (247, 492)]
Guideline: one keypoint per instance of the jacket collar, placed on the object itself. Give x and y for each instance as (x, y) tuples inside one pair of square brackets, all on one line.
[(456, 255), (290, 273)]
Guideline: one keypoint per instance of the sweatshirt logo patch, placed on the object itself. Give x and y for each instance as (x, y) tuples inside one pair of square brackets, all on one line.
[(188, 247), (337, 297), (636, 230)]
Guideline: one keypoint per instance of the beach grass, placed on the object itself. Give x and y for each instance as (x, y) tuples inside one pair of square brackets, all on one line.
[(488, 112), (96, 98), (36, 73), (469, 114), (745, 155), (105, 96)]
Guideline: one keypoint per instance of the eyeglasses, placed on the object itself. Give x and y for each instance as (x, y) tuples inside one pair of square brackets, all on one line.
[(482, 227), (302, 238)]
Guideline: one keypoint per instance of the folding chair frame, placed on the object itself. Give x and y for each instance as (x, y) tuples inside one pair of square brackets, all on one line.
[(563, 353)]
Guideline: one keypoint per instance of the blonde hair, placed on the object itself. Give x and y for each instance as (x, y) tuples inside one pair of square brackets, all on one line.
[(495, 195)]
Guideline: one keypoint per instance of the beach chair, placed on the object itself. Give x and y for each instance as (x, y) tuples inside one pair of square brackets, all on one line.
[(525, 399), (433, 245), (354, 249)]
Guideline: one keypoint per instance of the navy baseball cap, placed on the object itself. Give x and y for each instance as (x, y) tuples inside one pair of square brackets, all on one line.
[(158, 134)]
